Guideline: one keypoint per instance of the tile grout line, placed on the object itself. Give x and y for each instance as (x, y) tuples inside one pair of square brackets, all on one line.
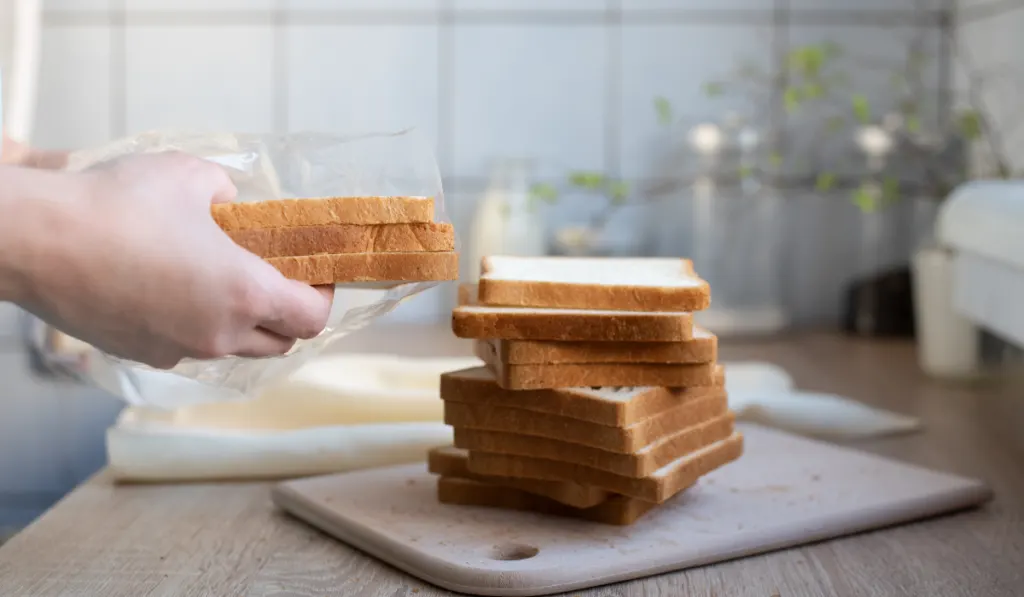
[(445, 88), (678, 17), (281, 94), (118, 69), (613, 89)]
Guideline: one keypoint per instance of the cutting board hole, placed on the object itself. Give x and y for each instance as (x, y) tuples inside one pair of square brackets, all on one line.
[(514, 551)]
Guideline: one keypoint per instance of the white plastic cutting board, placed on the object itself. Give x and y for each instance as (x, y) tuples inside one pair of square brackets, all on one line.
[(783, 492)]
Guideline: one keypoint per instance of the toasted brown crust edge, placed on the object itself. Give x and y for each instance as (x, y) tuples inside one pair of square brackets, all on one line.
[(369, 267), (346, 238), (284, 213)]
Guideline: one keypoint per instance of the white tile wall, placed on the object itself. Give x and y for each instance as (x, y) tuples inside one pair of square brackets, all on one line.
[(865, 5), (357, 79), (629, 5), (199, 4), (561, 5), (675, 61), (76, 4), (74, 88), (535, 91), (199, 78), (990, 50), (360, 4)]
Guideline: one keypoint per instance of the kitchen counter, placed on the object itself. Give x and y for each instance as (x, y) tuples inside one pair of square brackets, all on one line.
[(227, 539)]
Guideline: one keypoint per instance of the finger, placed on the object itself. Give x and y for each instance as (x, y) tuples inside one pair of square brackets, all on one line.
[(298, 310), (258, 343), (219, 185)]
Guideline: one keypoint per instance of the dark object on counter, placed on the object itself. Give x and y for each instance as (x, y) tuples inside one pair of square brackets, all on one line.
[(880, 305)]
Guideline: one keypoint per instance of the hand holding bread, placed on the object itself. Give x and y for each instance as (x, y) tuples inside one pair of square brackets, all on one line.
[(127, 258)]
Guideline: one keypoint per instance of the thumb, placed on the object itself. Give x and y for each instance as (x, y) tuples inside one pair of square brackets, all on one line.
[(298, 310)]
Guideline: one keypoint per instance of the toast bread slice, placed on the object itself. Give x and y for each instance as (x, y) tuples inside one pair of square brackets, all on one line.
[(702, 348), (317, 211), (448, 461), (573, 375), (620, 284), (657, 487), (624, 440), (511, 323), (369, 267), (617, 510), (346, 238), (611, 406), (641, 463)]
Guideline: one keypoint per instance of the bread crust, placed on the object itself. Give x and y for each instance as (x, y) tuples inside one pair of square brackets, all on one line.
[(346, 238), (617, 510), (369, 267), (624, 440), (287, 213), (452, 462), (478, 386), (574, 375), (525, 324), (656, 488), (638, 464), (614, 297)]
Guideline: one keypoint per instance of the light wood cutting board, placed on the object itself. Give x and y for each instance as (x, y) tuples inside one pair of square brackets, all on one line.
[(784, 491)]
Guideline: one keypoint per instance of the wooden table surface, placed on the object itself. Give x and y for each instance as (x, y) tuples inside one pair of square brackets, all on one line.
[(226, 539)]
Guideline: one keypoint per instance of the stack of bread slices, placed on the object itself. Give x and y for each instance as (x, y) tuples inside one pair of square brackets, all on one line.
[(600, 398), (336, 240)]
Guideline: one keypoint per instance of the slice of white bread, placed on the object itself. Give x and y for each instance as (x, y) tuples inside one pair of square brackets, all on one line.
[(619, 284), (448, 461), (641, 463), (614, 406), (283, 213), (572, 375), (511, 323), (369, 267), (346, 238), (616, 510), (702, 348), (657, 487), (624, 440)]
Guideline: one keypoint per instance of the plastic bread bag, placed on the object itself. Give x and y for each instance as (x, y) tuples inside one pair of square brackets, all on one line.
[(268, 168)]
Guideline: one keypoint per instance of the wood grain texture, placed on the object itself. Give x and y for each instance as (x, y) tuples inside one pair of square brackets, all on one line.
[(226, 539)]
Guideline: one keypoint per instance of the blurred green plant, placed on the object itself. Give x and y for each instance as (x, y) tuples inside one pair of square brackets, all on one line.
[(815, 85), (614, 191)]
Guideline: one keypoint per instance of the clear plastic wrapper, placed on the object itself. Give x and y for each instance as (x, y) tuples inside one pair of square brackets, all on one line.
[(268, 168)]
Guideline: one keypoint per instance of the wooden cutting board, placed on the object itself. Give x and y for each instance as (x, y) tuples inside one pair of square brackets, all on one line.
[(784, 491)]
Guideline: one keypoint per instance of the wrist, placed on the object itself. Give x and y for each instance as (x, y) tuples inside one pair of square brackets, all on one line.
[(37, 223)]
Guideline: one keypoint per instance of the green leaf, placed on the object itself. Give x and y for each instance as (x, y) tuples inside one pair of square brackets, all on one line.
[(663, 108), (969, 123), (791, 98), (814, 91), (861, 108), (865, 198), (544, 192), (744, 172), (618, 192), (826, 180), (890, 190), (775, 159), (913, 123), (590, 181), (714, 89)]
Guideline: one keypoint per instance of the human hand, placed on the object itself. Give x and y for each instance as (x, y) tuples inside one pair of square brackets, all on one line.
[(137, 267), (20, 154)]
